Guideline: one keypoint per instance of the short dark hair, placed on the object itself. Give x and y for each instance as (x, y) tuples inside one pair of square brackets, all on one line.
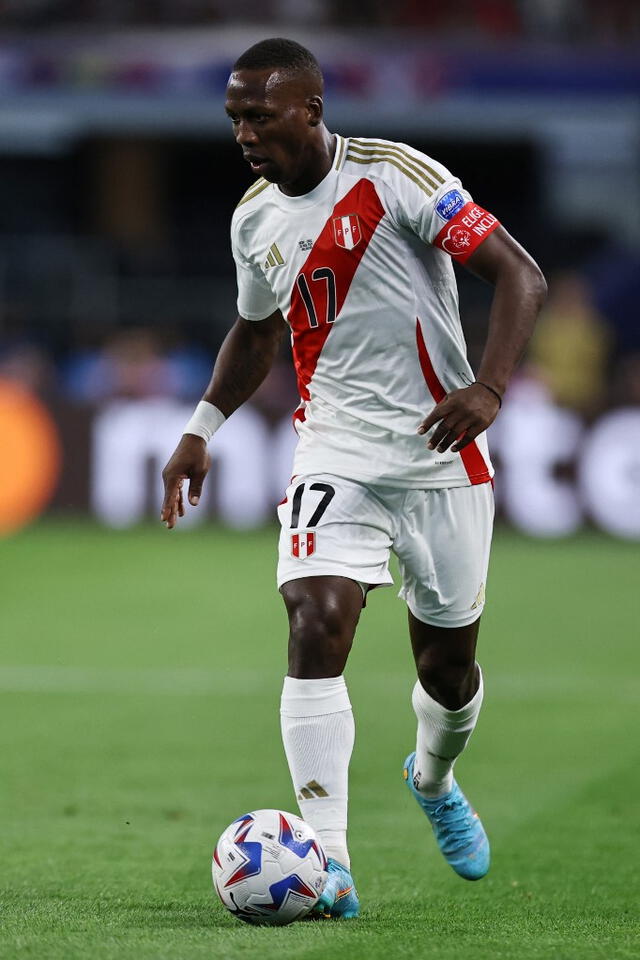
[(280, 54)]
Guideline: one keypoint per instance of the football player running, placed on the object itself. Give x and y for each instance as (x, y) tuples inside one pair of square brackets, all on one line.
[(346, 244)]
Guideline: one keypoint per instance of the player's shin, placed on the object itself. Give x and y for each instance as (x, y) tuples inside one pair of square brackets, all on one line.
[(318, 735), (442, 736)]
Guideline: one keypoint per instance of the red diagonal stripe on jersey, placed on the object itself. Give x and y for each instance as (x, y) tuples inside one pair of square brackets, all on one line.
[(472, 459), (308, 341)]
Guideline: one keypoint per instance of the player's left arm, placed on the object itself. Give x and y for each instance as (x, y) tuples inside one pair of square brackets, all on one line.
[(519, 292)]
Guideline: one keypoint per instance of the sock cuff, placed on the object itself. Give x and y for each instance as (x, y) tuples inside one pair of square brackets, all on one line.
[(313, 698), (422, 701)]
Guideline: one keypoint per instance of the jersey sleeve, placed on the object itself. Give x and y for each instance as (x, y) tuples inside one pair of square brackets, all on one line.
[(434, 205), (256, 299)]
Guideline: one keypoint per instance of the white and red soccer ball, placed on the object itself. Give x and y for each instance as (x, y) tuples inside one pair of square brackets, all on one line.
[(269, 868)]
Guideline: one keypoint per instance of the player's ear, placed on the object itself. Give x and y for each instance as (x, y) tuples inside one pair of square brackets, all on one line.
[(315, 109)]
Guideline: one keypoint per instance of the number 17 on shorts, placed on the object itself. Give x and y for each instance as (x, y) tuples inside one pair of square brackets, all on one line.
[(303, 543), (331, 526)]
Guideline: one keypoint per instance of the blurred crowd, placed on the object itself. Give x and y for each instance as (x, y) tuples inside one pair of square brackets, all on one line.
[(115, 274), (111, 288), (563, 20), (586, 347), (585, 352)]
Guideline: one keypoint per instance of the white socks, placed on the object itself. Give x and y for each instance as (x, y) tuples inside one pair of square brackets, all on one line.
[(318, 735), (442, 736)]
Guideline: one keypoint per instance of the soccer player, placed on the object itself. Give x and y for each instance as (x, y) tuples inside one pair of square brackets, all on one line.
[(347, 245)]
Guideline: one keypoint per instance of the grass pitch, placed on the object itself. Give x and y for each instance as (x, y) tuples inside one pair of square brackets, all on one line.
[(139, 681)]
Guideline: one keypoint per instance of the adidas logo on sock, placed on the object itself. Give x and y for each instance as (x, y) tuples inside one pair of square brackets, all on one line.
[(311, 791)]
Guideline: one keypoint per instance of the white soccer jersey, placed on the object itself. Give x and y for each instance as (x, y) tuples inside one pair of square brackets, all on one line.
[(373, 313)]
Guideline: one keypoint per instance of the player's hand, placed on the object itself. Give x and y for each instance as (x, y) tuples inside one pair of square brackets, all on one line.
[(461, 416), (191, 462)]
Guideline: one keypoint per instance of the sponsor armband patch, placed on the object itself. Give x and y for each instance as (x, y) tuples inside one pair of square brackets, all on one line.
[(448, 205), (465, 231)]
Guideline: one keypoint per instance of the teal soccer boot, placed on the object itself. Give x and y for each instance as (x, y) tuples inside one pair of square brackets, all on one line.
[(456, 826), (339, 900)]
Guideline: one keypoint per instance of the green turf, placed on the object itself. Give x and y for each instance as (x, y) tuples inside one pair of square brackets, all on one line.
[(139, 681)]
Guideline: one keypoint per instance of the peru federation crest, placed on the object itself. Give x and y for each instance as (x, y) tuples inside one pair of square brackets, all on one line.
[(303, 545), (346, 231)]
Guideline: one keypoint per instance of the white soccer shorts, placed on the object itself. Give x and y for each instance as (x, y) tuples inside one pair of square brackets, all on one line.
[(331, 526)]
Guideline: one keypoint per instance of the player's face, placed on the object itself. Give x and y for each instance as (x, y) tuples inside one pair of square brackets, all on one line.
[(273, 121)]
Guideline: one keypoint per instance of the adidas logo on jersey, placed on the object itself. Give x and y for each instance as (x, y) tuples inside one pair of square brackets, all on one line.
[(274, 257), (312, 790)]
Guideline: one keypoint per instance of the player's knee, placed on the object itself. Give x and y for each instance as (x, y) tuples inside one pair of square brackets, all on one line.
[(449, 678), (319, 637)]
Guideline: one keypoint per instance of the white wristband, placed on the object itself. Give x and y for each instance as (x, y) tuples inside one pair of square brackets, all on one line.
[(205, 421)]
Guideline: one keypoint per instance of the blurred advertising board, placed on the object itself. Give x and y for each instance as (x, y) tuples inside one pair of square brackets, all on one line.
[(555, 473), (189, 63)]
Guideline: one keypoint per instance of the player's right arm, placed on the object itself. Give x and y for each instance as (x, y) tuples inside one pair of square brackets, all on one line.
[(245, 358)]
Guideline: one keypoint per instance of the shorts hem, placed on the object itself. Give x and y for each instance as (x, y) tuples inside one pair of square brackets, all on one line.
[(435, 620), (359, 576)]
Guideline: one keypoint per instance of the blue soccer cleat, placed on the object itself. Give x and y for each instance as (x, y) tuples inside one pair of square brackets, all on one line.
[(339, 900), (457, 828)]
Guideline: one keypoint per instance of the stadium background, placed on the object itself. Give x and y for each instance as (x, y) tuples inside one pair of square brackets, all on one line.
[(128, 719)]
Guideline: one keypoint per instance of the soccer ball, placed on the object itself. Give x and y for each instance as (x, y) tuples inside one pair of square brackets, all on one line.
[(269, 868)]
